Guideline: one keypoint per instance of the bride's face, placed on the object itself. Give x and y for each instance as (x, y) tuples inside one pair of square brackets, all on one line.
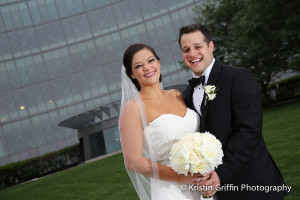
[(145, 67)]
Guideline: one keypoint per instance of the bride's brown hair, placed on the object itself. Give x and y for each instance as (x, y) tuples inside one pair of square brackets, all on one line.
[(127, 60)]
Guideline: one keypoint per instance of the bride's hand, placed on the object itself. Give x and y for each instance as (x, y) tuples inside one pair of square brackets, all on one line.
[(193, 179), (213, 182)]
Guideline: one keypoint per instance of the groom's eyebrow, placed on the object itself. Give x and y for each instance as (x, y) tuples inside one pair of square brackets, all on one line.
[(196, 43)]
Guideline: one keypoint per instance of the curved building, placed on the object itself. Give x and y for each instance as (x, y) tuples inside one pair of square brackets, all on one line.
[(60, 63)]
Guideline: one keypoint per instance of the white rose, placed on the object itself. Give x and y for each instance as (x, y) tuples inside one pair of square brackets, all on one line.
[(211, 96)]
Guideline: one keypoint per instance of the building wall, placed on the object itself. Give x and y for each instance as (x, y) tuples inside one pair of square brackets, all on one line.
[(59, 58)]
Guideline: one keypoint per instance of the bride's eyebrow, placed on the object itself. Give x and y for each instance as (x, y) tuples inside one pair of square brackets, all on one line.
[(150, 57), (137, 63), (147, 59)]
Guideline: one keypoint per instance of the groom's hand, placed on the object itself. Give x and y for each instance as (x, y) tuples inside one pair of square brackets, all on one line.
[(213, 182)]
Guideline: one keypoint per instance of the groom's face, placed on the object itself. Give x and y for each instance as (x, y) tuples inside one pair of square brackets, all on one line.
[(197, 54)]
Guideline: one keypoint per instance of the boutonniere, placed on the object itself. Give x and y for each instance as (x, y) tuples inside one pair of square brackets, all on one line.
[(210, 91)]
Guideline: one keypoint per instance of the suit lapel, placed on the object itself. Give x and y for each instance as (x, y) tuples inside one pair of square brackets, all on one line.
[(191, 100), (212, 80), (188, 97)]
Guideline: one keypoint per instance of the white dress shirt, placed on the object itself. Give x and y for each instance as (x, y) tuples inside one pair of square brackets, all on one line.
[(199, 90)]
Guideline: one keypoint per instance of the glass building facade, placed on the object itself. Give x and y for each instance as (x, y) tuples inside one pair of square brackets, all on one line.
[(60, 58)]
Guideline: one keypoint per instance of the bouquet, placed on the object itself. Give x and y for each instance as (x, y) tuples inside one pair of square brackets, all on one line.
[(196, 153)]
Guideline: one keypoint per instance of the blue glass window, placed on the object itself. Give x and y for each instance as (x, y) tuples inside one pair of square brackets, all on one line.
[(24, 14), (69, 7), (76, 28), (7, 18), (5, 51), (34, 12), (2, 147)]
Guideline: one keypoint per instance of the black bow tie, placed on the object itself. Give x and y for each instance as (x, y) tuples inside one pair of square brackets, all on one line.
[(197, 81)]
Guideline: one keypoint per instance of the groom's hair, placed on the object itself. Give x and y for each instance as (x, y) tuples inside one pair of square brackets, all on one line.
[(193, 28)]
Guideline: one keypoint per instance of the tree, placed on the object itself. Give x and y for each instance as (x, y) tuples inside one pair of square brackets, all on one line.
[(260, 35)]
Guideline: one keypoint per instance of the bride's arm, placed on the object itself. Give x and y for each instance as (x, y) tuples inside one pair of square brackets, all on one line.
[(131, 130), (168, 174)]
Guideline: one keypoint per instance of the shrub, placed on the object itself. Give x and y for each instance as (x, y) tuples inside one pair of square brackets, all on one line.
[(284, 89), (22, 171)]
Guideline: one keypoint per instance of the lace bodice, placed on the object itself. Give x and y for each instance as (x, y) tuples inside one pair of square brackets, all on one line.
[(167, 129)]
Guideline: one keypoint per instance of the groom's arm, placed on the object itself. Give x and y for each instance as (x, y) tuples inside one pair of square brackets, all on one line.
[(246, 109)]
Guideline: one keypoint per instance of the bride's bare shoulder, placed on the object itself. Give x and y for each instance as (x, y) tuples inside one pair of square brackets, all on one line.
[(174, 93)]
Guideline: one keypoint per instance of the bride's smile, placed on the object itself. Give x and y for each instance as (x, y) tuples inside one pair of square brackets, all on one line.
[(148, 75)]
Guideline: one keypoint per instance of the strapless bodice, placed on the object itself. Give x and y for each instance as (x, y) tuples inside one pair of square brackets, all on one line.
[(167, 129)]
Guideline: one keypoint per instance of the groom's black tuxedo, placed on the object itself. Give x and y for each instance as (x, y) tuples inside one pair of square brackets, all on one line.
[(235, 118)]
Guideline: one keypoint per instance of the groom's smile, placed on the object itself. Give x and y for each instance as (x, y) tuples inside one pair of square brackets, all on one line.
[(196, 52), (196, 61)]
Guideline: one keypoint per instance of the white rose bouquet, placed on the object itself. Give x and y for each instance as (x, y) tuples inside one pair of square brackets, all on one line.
[(196, 153)]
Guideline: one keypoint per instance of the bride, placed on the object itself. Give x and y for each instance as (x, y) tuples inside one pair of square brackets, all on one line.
[(151, 121)]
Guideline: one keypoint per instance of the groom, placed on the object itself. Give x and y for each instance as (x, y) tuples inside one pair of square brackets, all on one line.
[(234, 116)]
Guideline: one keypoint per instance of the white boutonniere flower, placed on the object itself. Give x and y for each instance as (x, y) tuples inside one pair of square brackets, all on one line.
[(210, 91)]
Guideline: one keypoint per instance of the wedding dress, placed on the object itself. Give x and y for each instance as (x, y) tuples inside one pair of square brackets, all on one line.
[(158, 138), (166, 130)]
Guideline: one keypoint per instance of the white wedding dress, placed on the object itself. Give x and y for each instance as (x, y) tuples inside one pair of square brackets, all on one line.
[(166, 130)]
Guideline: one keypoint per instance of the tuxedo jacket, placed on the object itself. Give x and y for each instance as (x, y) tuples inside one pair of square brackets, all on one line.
[(235, 118)]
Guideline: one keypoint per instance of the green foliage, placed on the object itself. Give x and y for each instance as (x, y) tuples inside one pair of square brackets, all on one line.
[(281, 83), (284, 89), (281, 131), (21, 171), (102, 179), (260, 35)]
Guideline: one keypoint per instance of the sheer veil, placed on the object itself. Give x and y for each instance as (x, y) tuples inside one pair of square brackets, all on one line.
[(147, 188)]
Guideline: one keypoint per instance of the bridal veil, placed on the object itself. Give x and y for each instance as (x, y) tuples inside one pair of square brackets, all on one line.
[(147, 188)]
